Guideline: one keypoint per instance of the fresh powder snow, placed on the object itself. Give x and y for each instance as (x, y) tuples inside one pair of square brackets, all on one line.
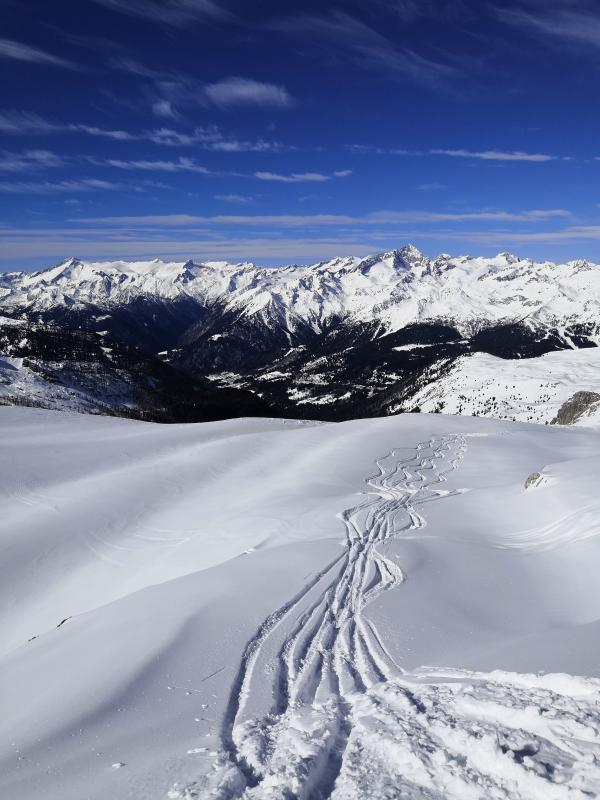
[(269, 608)]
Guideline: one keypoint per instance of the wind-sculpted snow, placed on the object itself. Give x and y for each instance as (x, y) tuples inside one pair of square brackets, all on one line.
[(188, 613)]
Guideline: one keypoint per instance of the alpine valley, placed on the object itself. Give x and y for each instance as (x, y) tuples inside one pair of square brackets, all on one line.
[(352, 337)]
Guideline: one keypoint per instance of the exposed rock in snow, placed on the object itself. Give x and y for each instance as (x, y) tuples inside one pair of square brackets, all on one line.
[(580, 405), (526, 390), (533, 480)]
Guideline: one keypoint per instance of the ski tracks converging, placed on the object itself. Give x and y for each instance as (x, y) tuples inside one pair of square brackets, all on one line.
[(320, 711), (290, 712)]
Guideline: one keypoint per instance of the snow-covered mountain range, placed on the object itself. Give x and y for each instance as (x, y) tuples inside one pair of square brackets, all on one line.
[(393, 289), (337, 339)]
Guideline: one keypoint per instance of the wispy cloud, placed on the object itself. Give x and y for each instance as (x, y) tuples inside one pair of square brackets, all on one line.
[(237, 91), (482, 155), (26, 122), (256, 220), (184, 164), (19, 122), (18, 51), (92, 130), (363, 45), (54, 244), (535, 215), (172, 138), (368, 149), (59, 187), (302, 177), (207, 138), (235, 199), (496, 155), (306, 220), (172, 90), (29, 160), (564, 25), (164, 108), (181, 164), (176, 13)]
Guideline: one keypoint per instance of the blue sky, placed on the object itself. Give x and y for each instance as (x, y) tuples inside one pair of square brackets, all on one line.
[(292, 131)]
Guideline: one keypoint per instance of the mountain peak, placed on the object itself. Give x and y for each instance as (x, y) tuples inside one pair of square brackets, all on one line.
[(71, 261), (510, 258), (410, 250), (408, 253)]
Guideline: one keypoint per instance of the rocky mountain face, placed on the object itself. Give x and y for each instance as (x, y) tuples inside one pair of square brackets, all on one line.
[(335, 340)]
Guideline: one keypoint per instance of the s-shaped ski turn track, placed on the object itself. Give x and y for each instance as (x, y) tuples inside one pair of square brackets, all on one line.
[(320, 653)]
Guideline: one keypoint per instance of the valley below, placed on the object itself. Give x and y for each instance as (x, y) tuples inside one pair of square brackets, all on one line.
[(505, 337)]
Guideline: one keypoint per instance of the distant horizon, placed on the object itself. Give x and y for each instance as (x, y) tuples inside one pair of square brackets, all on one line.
[(182, 258)]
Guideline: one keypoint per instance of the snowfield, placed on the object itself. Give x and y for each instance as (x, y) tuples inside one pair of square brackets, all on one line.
[(523, 390), (274, 609)]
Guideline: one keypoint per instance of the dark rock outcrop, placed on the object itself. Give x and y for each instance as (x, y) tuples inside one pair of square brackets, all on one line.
[(575, 407)]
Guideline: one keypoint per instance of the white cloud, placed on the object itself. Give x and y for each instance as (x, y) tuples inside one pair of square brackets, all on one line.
[(245, 91), (17, 51), (362, 45), (51, 245), (301, 177), (19, 122), (307, 220), (381, 151), (29, 160), (495, 155), (208, 138), (67, 186), (23, 122), (172, 138), (182, 164), (562, 25), (482, 155), (164, 108), (177, 13), (236, 199), (186, 220), (92, 130), (536, 215)]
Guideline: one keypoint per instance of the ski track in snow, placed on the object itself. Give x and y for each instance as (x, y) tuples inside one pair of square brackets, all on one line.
[(332, 654), (320, 710)]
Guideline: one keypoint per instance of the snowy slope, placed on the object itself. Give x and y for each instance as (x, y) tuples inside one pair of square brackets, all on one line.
[(262, 609), (392, 289), (20, 384), (527, 390)]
